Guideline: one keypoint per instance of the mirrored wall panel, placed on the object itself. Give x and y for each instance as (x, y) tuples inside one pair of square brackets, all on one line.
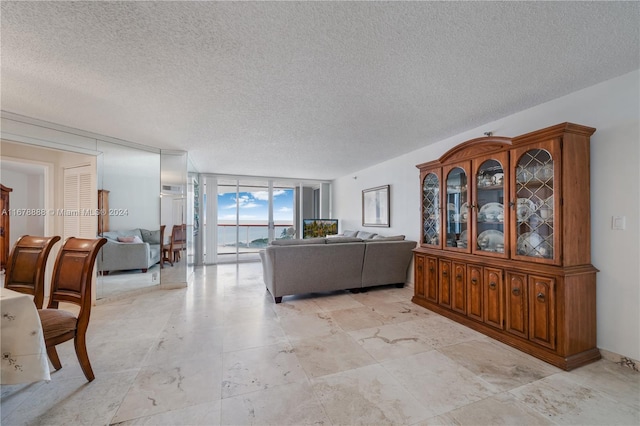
[(174, 221), (129, 217)]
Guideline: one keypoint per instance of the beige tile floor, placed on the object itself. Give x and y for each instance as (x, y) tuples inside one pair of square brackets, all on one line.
[(221, 352)]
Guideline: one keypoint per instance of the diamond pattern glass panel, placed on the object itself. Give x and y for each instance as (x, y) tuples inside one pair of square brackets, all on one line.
[(534, 204), (431, 210)]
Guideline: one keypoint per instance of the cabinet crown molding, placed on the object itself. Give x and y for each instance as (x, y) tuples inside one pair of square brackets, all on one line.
[(488, 144)]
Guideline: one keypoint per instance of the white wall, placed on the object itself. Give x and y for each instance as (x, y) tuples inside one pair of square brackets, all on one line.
[(613, 108)]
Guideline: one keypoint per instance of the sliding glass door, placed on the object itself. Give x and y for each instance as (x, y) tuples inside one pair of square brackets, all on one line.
[(249, 215)]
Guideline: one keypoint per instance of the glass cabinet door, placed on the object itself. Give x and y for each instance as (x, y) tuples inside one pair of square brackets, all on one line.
[(489, 218), (458, 211), (431, 210), (534, 206)]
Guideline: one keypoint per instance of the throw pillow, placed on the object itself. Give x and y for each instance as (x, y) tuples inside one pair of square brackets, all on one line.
[(366, 235), (350, 233), (151, 237), (131, 239)]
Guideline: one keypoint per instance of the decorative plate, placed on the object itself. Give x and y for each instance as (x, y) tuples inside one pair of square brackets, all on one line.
[(464, 212), (492, 238), (530, 244), (451, 212), (490, 212), (463, 236), (524, 208)]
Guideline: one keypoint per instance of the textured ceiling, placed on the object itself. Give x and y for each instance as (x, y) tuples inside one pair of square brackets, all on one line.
[(302, 89)]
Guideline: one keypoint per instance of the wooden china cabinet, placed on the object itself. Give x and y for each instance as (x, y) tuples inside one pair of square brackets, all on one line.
[(5, 218), (103, 208), (505, 242)]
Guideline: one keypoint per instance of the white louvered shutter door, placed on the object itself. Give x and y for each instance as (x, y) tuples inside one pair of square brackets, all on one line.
[(80, 202)]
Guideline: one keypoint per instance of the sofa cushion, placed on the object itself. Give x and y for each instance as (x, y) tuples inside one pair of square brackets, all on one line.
[(151, 237), (343, 240), (366, 235), (125, 233), (110, 235), (292, 242), (350, 233), (389, 238)]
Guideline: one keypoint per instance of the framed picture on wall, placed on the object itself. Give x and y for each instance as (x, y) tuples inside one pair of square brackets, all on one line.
[(375, 206)]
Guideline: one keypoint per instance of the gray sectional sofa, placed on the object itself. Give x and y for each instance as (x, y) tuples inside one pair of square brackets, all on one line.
[(339, 263), (121, 253)]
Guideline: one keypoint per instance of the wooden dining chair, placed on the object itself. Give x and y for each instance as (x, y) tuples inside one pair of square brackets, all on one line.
[(167, 249), (71, 283), (26, 266), (163, 253), (177, 243)]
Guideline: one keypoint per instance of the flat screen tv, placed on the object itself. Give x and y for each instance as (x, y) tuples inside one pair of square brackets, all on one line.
[(314, 228)]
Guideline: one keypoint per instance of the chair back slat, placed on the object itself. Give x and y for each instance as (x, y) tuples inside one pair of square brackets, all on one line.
[(179, 234), (26, 266), (71, 281)]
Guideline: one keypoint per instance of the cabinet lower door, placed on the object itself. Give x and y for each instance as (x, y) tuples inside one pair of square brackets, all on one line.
[(419, 277), (444, 292), (431, 276), (516, 304), (542, 314), (492, 289), (474, 292), (458, 288)]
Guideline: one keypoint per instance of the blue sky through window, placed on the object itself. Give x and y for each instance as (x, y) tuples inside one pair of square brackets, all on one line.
[(254, 206)]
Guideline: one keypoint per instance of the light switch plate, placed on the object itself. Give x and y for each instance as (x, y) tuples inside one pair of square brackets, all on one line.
[(618, 223)]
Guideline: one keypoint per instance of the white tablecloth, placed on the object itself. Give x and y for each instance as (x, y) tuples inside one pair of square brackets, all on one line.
[(24, 355)]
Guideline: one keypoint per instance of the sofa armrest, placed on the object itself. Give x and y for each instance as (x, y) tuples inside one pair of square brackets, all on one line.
[(267, 269), (386, 262)]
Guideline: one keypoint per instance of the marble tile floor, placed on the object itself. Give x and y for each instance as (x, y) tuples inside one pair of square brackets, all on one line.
[(221, 352), (121, 282)]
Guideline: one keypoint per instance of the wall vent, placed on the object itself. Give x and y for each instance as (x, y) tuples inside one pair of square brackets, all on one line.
[(172, 189)]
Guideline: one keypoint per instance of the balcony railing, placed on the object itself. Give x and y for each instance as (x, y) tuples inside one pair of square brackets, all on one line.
[(251, 237)]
